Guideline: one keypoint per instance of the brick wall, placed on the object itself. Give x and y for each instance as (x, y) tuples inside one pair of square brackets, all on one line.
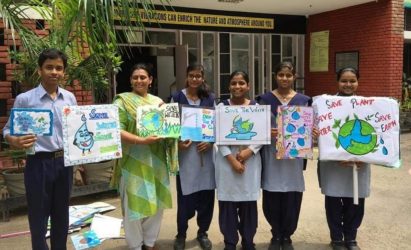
[(374, 29), (8, 86)]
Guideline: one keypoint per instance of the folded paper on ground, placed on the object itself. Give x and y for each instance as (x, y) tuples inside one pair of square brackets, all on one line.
[(358, 128)]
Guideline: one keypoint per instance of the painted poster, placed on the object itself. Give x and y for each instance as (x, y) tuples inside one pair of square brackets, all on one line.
[(163, 121), (243, 125), (91, 134), (197, 124), (358, 128), (24, 121), (295, 124)]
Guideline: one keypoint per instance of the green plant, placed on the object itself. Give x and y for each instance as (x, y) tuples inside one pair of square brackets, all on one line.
[(406, 90), (72, 24)]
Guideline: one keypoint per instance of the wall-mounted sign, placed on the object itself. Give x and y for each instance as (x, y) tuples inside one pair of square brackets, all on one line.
[(346, 59), (319, 45), (200, 19)]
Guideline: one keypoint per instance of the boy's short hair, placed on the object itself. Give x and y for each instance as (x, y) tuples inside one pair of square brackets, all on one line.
[(52, 53)]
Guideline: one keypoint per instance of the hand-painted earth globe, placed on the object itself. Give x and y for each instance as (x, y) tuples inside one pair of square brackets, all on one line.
[(357, 137), (152, 121)]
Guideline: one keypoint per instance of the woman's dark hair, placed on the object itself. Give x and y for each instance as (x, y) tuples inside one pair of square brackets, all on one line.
[(242, 73), (52, 53), (285, 64), (347, 69), (144, 66), (204, 90)]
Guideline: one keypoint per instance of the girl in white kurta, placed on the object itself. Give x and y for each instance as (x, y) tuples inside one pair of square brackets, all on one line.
[(336, 181), (238, 178), (195, 181)]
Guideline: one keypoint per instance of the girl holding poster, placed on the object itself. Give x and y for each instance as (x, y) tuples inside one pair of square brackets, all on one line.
[(282, 180), (238, 178), (141, 176), (336, 182), (195, 181)]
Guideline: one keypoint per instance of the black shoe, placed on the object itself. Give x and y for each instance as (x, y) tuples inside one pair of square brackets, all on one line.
[(286, 244), (275, 244), (179, 243), (205, 243), (337, 245), (352, 245)]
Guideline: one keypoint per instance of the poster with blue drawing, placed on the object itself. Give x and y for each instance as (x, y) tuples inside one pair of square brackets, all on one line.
[(91, 134), (163, 121), (294, 139), (197, 124), (358, 128), (24, 121), (243, 125)]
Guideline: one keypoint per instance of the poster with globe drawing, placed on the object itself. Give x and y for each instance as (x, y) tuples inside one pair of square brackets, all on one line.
[(243, 125), (358, 128), (91, 133), (24, 121), (163, 121), (294, 139), (197, 124)]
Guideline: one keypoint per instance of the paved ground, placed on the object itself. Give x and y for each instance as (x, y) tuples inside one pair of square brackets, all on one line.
[(387, 222)]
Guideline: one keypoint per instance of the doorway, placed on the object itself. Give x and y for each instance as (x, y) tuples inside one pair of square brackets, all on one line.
[(163, 62)]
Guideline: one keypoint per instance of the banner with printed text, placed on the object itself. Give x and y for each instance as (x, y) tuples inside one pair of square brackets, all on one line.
[(358, 128), (91, 134), (243, 125), (163, 121)]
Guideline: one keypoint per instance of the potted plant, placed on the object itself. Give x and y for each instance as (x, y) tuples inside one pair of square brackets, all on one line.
[(405, 107), (14, 176)]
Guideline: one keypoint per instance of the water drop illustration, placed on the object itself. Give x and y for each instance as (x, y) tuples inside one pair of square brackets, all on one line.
[(384, 150), (381, 141), (301, 142), (290, 128), (301, 130), (293, 152), (295, 115)]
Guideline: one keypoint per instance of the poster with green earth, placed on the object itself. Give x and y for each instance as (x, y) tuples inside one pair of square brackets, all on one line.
[(163, 121), (357, 128)]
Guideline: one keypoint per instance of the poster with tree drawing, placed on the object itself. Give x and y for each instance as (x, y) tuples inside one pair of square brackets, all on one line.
[(24, 121), (294, 139), (163, 121), (197, 124), (243, 125), (358, 128), (91, 134)]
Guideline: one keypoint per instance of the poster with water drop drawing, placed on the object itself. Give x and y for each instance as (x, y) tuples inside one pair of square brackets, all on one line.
[(163, 121), (294, 139), (24, 121), (243, 125), (358, 128), (91, 134), (197, 124)]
